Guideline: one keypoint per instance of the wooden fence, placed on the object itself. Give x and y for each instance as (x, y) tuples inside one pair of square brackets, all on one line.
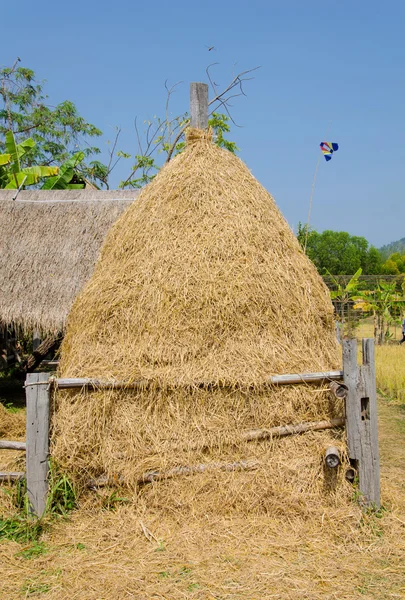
[(358, 389)]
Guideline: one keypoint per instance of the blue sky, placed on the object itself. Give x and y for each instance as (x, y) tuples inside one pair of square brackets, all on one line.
[(327, 68)]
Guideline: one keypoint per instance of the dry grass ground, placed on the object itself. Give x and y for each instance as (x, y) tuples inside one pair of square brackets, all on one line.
[(333, 552)]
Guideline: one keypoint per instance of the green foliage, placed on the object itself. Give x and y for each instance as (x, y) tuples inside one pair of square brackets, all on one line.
[(33, 551), (393, 247), (63, 180), (23, 527), (338, 252), (111, 501), (20, 528), (62, 496), (394, 265), (33, 588), (58, 135), (219, 123), (58, 131), (385, 303), (161, 142), (12, 174)]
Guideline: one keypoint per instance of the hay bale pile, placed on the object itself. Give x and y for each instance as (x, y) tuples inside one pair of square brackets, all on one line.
[(202, 292)]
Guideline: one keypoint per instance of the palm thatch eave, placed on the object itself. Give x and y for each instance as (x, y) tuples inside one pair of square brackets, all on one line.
[(50, 241)]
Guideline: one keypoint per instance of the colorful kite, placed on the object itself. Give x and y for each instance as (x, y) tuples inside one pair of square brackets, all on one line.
[(328, 148)]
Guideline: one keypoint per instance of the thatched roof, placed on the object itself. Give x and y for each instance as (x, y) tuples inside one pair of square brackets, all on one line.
[(50, 241)]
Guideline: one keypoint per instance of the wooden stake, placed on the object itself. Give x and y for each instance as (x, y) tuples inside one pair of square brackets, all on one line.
[(37, 393), (199, 105), (361, 418)]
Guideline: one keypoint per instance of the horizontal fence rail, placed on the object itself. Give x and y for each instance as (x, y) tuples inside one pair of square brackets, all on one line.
[(99, 384), (7, 445)]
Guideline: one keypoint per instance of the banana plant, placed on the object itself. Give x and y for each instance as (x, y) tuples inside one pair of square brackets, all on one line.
[(62, 181), (383, 303), (342, 296), (12, 174)]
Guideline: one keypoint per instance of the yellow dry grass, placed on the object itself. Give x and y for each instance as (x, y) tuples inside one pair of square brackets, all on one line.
[(390, 370), (333, 552), (201, 291), (201, 280)]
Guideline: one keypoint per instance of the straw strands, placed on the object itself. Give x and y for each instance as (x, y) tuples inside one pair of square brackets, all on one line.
[(50, 242), (200, 281)]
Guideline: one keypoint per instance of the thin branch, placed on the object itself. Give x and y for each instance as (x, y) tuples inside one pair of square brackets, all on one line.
[(112, 152), (236, 81)]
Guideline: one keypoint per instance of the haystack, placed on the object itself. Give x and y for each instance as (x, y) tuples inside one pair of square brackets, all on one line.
[(201, 293)]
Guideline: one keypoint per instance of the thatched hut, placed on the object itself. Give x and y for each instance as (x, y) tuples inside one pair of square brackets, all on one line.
[(200, 294), (50, 241)]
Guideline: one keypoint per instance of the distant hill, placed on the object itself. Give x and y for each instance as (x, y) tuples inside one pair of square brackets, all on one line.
[(398, 246)]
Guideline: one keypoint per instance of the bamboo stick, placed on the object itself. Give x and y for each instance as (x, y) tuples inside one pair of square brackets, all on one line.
[(298, 378), (7, 445), (283, 430), (11, 476), (151, 476), (256, 434), (295, 379)]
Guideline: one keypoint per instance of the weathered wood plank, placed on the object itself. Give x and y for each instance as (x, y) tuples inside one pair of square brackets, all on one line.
[(7, 445), (350, 378), (369, 461), (361, 418), (37, 393), (199, 105)]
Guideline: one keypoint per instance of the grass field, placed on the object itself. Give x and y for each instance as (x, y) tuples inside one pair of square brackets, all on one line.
[(115, 548)]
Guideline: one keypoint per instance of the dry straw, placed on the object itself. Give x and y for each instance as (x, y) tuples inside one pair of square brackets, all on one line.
[(50, 241), (200, 281)]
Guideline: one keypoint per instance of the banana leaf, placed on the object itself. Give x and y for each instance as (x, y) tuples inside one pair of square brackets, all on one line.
[(17, 150), (66, 172), (5, 159)]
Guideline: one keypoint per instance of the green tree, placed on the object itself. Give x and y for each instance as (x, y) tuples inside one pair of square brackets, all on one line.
[(338, 252), (394, 265), (59, 131)]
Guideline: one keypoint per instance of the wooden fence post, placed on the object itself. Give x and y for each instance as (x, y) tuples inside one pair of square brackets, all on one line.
[(199, 105), (361, 418), (37, 395)]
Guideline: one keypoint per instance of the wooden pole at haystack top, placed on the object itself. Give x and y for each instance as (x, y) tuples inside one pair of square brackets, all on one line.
[(199, 105)]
